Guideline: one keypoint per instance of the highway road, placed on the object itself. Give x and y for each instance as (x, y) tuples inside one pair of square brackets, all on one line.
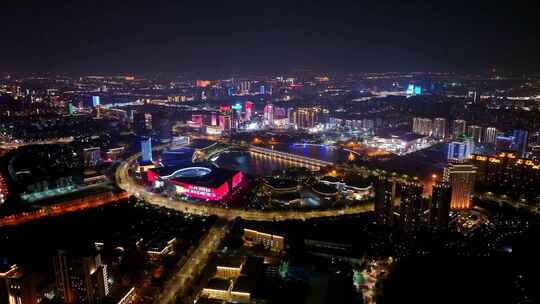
[(127, 183), (181, 282)]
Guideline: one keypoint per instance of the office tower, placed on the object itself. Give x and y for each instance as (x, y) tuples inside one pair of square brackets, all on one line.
[(422, 126), (521, 142), (439, 128), (269, 114), (142, 123), (245, 87), (461, 179), (80, 278), (475, 132), (385, 193), (291, 116), (248, 105), (490, 135), (95, 101), (225, 122), (19, 286), (213, 119), (410, 204), (459, 128), (460, 149), (440, 205), (146, 150)]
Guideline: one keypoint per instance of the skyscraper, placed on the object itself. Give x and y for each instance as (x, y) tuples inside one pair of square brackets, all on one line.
[(21, 286), (461, 179), (521, 142), (410, 204), (146, 150), (490, 135), (248, 105), (460, 149), (385, 193), (269, 114), (439, 128), (422, 126), (245, 87), (475, 132), (440, 205), (213, 120), (459, 128), (80, 278)]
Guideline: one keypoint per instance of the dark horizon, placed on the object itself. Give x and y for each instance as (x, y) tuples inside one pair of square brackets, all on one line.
[(211, 39)]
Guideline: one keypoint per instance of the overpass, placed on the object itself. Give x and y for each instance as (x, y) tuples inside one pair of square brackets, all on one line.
[(304, 161)]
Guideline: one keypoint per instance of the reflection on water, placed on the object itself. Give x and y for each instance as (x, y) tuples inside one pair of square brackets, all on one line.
[(322, 152), (254, 164), (260, 165)]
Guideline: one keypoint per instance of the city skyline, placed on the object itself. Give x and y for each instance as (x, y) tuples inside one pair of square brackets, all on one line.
[(306, 152)]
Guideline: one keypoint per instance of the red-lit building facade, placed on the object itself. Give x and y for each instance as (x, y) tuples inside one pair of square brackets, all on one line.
[(201, 182)]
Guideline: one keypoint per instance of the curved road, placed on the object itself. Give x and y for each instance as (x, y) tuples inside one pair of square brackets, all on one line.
[(127, 183)]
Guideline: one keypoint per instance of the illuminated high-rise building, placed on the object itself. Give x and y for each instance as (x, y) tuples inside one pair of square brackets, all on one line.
[(507, 174), (4, 191), (245, 87), (225, 122), (459, 128), (213, 119), (439, 210), (439, 128), (81, 278), (248, 105), (475, 132), (385, 193), (19, 286), (490, 135), (95, 101), (460, 149), (309, 117), (269, 114), (521, 142), (146, 150), (422, 126), (461, 178), (410, 203), (291, 116)]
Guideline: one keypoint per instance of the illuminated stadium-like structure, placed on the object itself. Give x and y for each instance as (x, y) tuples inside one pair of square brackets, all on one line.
[(201, 181)]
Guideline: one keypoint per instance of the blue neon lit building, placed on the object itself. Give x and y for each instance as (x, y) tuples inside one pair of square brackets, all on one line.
[(146, 150), (410, 89), (520, 142), (460, 150), (95, 101)]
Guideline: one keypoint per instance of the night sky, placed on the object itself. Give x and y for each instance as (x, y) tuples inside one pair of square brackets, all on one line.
[(211, 38)]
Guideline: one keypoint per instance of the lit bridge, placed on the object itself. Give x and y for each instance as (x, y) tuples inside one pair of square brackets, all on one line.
[(299, 159)]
